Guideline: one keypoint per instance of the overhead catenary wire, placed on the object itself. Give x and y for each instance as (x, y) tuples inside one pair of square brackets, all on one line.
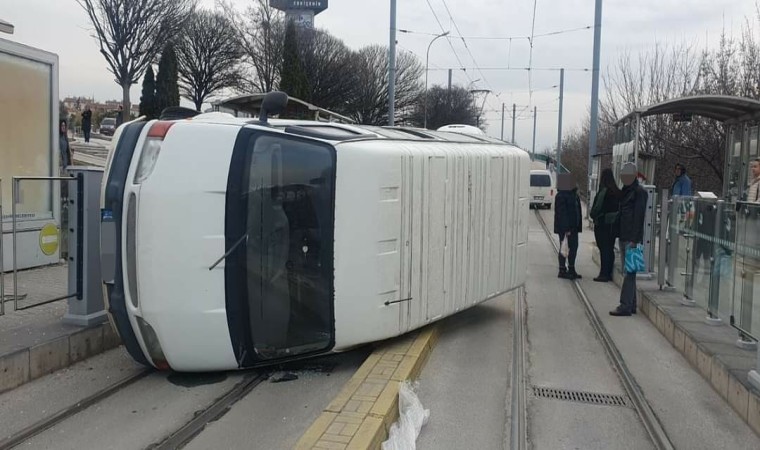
[(535, 69), (530, 57), (503, 38), (467, 47), (456, 55)]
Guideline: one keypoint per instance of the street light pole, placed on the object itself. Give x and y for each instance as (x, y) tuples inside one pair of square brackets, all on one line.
[(392, 68), (559, 125), (593, 130), (514, 118), (427, 66), (535, 110)]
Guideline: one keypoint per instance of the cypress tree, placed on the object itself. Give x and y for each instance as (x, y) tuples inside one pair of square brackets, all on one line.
[(167, 86), (293, 80), (148, 97)]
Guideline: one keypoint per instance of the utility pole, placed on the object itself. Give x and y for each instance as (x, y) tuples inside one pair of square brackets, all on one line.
[(535, 110), (559, 126), (392, 68), (514, 118), (593, 131), (448, 96), (503, 106)]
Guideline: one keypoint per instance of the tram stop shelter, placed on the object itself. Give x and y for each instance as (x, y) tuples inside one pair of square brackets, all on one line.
[(741, 117), (249, 105), (709, 245)]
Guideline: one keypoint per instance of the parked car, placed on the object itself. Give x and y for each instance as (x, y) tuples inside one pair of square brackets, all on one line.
[(108, 126), (542, 189)]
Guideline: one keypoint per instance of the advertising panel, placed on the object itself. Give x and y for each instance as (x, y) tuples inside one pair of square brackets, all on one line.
[(25, 135), (29, 148)]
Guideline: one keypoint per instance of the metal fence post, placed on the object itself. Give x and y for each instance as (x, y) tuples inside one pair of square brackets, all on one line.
[(664, 238), (713, 298), (688, 294), (649, 233), (87, 308)]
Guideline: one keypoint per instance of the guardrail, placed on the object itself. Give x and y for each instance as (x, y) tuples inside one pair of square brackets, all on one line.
[(712, 256)]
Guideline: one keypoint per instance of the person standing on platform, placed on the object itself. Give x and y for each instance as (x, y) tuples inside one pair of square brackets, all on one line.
[(682, 183), (63, 146), (87, 123), (120, 117), (605, 214), (568, 219), (632, 211)]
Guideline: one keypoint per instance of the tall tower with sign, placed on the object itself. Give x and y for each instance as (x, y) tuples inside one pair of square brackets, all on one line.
[(302, 12)]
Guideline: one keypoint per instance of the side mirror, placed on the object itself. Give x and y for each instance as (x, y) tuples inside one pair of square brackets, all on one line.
[(274, 103)]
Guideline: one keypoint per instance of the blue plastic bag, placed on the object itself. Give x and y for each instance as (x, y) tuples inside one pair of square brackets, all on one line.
[(634, 259)]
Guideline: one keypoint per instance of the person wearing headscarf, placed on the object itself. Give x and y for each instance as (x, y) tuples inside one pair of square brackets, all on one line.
[(632, 213)]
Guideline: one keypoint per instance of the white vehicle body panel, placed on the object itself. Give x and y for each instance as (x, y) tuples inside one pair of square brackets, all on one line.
[(423, 229), (429, 228)]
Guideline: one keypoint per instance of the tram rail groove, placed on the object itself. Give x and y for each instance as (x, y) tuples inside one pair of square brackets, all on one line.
[(518, 433), (213, 412), (643, 409), (49, 422)]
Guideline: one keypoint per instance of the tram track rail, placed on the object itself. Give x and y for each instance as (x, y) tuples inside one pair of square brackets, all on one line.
[(183, 435), (176, 439), (49, 422), (643, 409), (519, 422)]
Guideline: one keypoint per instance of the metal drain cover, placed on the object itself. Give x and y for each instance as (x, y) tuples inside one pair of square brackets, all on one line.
[(593, 398)]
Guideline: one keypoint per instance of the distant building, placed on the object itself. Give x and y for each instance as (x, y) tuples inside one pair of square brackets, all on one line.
[(301, 12), (75, 105)]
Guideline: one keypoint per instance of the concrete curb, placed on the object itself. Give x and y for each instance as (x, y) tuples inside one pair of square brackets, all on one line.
[(25, 365), (362, 413), (719, 371)]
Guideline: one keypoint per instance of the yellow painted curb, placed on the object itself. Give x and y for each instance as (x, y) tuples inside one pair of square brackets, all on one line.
[(360, 416)]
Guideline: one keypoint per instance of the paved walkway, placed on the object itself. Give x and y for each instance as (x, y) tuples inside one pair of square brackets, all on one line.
[(466, 384), (35, 341), (23, 329)]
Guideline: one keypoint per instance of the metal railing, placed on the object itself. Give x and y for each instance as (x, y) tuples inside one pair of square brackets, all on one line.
[(15, 191), (712, 256)]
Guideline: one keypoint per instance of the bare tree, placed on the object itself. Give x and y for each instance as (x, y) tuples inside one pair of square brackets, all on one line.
[(132, 32), (329, 68), (208, 54), (369, 104), (261, 32), (446, 107)]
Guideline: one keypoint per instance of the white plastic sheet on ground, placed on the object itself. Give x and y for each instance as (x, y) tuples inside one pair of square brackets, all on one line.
[(412, 416)]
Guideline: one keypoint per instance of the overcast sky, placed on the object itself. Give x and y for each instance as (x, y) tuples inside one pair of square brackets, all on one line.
[(61, 26)]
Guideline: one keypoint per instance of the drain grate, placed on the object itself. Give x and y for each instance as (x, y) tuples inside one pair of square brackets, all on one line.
[(580, 396)]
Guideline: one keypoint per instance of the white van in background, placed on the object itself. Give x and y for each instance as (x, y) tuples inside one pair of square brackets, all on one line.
[(542, 188), (463, 129)]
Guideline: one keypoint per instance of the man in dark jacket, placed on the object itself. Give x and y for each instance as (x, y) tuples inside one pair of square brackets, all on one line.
[(568, 219), (633, 208), (87, 123)]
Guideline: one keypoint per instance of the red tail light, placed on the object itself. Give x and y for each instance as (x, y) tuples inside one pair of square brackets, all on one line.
[(551, 191), (159, 129)]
